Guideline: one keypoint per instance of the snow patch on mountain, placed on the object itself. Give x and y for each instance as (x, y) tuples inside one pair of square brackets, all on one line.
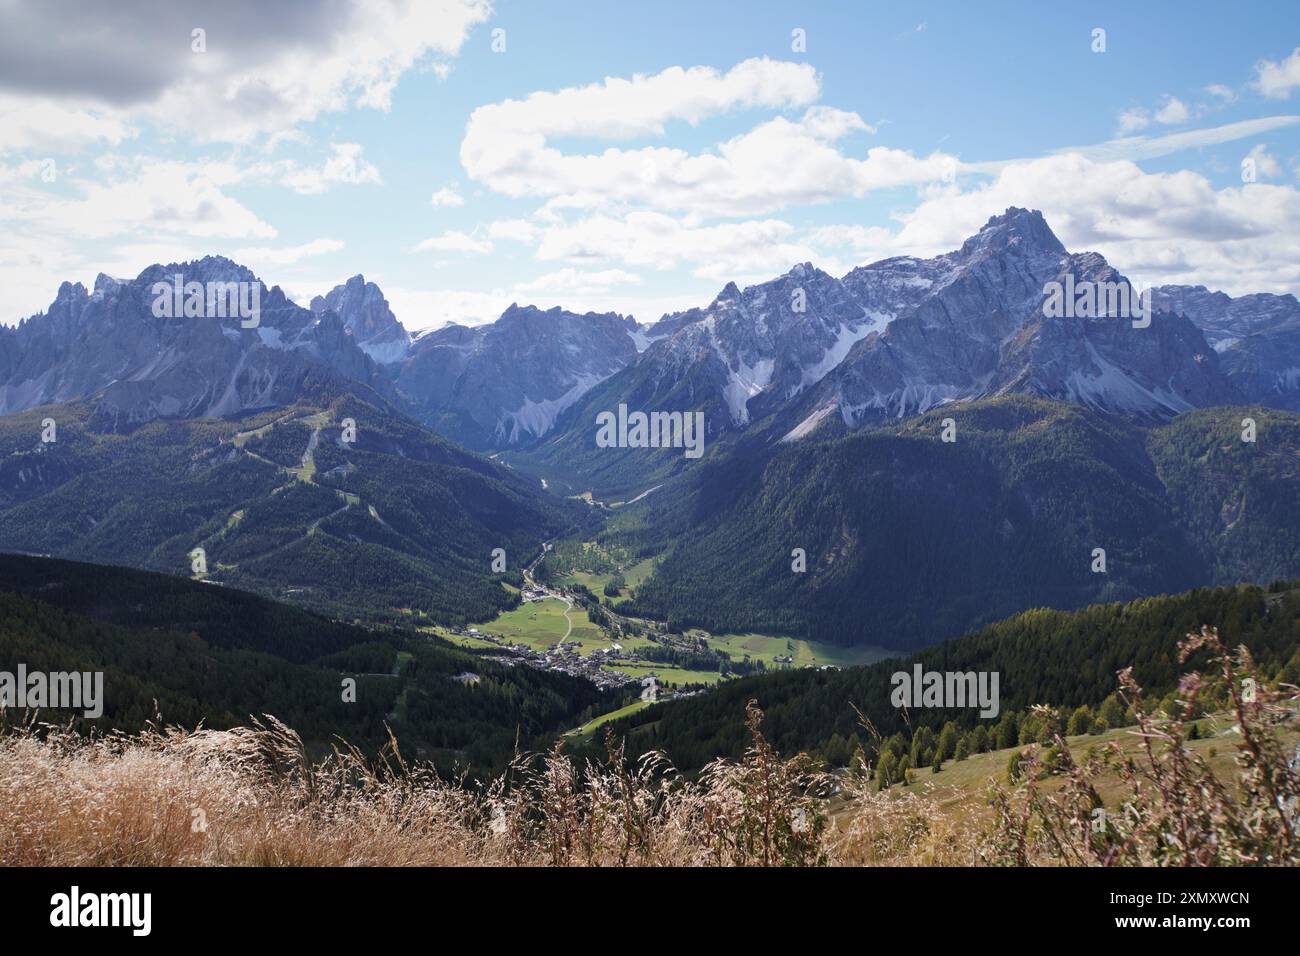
[(642, 340), (845, 339), (536, 418), (385, 353), (743, 384), (1110, 387), (806, 427)]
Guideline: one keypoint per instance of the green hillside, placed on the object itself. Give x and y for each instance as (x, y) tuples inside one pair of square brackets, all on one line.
[(397, 523), (196, 653), (1066, 659), (909, 539)]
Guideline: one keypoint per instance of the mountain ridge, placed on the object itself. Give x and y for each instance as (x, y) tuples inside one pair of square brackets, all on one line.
[(893, 337)]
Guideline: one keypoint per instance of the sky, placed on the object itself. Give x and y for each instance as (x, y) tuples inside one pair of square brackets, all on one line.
[(635, 157)]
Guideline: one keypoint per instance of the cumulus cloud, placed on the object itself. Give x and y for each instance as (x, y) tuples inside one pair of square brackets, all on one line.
[(428, 309), (48, 126), (145, 195), (265, 66), (345, 166), (1278, 79), (782, 161), (1154, 227), (446, 196), (1172, 112), (419, 309), (579, 282), (751, 248), (856, 242), (454, 241), (513, 230), (1136, 118), (1264, 163), (256, 256)]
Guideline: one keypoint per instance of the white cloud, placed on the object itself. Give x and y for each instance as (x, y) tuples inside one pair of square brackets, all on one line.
[(446, 196), (1136, 118), (146, 195), (50, 127), (1277, 80), (345, 166), (1225, 93), (454, 241), (513, 230), (779, 162), (136, 211), (861, 243), (1152, 147), (267, 67), (1154, 227), (1266, 164), (572, 281), (430, 309), (256, 256), (1173, 113), (419, 309), (724, 251)]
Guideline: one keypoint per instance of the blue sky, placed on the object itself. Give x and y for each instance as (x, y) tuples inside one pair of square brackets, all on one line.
[(636, 157)]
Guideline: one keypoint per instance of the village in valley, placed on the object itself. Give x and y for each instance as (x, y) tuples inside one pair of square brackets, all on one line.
[(561, 624)]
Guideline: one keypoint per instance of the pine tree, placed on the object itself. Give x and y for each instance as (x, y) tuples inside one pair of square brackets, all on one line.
[(947, 745), (885, 770), (1080, 722), (1008, 732), (1112, 712)]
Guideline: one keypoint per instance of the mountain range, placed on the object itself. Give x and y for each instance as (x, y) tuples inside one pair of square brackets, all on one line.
[(889, 339), (905, 335), (821, 399), (332, 502)]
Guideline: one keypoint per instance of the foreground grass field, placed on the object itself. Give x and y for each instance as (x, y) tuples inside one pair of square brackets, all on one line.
[(68, 800), (957, 795)]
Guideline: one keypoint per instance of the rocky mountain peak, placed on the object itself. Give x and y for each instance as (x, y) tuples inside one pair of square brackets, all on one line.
[(367, 316), (1016, 232)]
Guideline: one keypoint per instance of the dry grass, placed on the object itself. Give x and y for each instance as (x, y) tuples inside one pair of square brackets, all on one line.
[(251, 796)]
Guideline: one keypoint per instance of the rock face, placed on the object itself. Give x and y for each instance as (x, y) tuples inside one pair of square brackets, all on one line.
[(490, 387), (506, 383), (752, 350), (1226, 320), (145, 366), (366, 315), (888, 340), (973, 324), (904, 335), (1257, 338)]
